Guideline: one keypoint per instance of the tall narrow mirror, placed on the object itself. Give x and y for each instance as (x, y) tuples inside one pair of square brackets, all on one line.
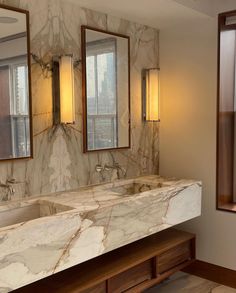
[(106, 90), (15, 100)]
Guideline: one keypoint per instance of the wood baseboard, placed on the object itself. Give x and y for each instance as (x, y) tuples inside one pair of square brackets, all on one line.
[(213, 273)]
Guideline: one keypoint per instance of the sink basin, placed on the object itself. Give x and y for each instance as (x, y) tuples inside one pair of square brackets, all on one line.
[(134, 188), (29, 212)]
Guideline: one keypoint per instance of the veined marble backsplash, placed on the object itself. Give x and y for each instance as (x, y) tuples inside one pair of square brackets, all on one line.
[(59, 163)]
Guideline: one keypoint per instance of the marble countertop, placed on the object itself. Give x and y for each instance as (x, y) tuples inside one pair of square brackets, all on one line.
[(75, 226)]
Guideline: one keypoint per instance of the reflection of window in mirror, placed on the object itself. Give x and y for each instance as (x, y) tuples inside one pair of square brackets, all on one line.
[(101, 94), (14, 75), (15, 92), (106, 90)]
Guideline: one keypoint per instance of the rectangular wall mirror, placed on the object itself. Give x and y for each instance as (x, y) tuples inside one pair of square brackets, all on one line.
[(15, 98), (106, 90)]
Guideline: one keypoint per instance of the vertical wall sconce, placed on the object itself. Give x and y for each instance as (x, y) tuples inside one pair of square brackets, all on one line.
[(67, 89), (151, 94), (63, 90), (62, 70)]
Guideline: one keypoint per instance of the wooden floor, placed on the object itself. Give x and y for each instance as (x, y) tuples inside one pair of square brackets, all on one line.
[(185, 283), (213, 273)]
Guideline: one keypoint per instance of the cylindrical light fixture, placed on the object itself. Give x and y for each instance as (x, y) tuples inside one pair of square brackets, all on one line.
[(151, 94), (67, 111)]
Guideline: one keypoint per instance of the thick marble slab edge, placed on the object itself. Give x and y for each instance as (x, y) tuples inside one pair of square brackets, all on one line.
[(79, 225)]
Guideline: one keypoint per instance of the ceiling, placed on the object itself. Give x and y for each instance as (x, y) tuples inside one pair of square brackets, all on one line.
[(9, 29), (209, 7), (161, 14)]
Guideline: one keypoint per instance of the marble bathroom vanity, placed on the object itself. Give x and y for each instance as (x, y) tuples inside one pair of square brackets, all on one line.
[(47, 234)]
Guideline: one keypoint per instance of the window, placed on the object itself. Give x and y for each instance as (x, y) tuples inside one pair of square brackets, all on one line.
[(226, 125), (101, 94)]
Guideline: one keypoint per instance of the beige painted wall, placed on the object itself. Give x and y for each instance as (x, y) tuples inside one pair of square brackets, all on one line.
[(188, 130)]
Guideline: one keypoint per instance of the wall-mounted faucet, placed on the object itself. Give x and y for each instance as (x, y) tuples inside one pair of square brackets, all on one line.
[(8, 186), (120, 171)]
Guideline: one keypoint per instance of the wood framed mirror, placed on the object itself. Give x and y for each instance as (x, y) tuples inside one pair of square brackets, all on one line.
[(15, 85), (106, 90)]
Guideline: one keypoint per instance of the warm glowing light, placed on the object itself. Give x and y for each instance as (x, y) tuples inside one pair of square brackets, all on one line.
[(152, 107), (67, 90)]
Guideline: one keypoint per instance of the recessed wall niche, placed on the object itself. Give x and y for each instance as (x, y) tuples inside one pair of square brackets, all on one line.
[(226, 119)]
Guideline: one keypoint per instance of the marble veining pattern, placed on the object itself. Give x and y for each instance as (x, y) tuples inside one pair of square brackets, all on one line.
[(88, 222), (71, 227), (59, 163)]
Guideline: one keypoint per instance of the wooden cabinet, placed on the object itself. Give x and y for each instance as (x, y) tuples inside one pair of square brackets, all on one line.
[(130, 269), (174, 257), (100, 288), (131, 277)]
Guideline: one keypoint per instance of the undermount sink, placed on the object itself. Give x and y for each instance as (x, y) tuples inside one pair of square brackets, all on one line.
[(29, 212), (134, 188)]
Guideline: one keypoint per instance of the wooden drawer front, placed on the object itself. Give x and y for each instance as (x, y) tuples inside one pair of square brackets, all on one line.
[(100, 288), (130, 278), (173, 257)]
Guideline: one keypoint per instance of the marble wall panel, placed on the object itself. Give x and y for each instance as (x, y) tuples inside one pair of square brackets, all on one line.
[(59, 163)]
